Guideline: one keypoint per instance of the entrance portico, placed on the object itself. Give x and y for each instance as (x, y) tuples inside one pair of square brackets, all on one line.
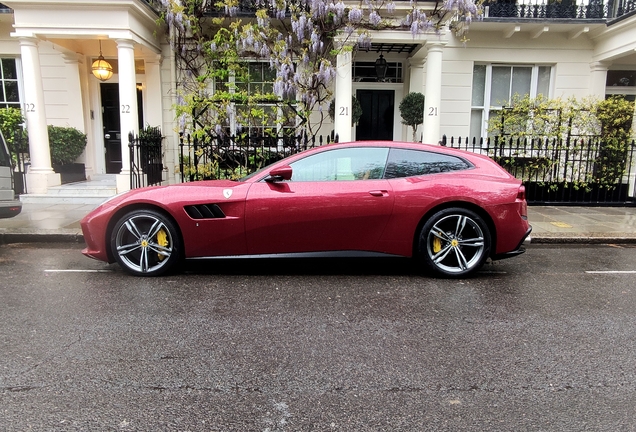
[(425, 76), (72, 33)]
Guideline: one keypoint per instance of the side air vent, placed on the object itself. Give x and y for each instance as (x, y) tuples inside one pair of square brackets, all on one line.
[(204, 211)]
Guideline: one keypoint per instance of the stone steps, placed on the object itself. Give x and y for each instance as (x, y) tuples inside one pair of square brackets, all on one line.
[(94, 191)]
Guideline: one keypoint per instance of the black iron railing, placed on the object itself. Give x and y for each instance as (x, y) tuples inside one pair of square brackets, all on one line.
[(146, 158), (19, 148), (538, 9), (234, 157), (554, 171), (563, 9), (619, 8)]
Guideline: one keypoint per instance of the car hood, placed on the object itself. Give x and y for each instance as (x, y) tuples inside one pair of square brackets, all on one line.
[(209, 190)]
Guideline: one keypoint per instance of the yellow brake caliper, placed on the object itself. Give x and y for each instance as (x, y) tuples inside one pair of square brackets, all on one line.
[(437, 244), (162, 240)]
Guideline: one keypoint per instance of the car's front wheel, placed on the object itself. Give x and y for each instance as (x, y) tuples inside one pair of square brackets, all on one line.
[(454, 242), (145, 243)]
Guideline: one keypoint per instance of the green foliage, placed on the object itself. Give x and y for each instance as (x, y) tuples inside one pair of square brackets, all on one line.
[(202, 171), (67, 144), (10, 123), (356, 110), (543, 117), (615, 116), (555, 127), (151, 133), (412, 111)]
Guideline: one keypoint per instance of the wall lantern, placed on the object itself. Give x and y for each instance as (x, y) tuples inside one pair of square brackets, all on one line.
[(380, 68), (101, 68)]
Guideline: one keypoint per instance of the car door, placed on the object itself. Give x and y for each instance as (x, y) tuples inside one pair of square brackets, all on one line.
[(336, 200)]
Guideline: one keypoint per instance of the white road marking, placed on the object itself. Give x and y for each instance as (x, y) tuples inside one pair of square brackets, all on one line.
[(76, 271), (611, 272)]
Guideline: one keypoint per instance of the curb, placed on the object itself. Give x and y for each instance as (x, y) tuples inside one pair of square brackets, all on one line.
[(57, 237)]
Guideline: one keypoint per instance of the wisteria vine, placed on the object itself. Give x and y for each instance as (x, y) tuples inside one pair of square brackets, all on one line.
[(299, 38)]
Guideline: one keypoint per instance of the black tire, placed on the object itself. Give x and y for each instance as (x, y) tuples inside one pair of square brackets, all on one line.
[(454, 242), (146, 243)]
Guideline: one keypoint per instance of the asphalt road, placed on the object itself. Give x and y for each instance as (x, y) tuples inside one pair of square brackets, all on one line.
[(541, 342)]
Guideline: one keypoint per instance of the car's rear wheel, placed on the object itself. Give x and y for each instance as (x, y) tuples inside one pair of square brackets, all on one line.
[(145, 243), (454, 242)]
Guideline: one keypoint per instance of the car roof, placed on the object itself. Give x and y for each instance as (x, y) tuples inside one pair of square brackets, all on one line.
[(471, 156)]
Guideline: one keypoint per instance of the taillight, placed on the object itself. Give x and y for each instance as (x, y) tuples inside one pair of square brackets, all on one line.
[(521, 194), (521, 199)]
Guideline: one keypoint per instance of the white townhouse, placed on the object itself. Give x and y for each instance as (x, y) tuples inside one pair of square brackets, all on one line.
[(47, 49)]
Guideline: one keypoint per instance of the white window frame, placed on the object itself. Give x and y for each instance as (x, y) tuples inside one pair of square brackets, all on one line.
[(19, 79), (488, 104), (233, 121)]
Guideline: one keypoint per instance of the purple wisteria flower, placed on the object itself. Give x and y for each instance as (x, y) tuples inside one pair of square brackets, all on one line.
[(319, 7), (364, 41), (355, 15), (316, 43), (298, 26), (339, 8), (374, 18)]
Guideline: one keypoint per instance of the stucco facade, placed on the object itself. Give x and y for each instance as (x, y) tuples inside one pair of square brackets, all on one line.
[(55, 42)]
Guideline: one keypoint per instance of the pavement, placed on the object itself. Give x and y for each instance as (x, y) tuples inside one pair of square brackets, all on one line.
[(551, 224)]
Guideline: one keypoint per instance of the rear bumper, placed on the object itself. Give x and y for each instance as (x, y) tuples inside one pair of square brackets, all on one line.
[(518, 250), (10, 209)]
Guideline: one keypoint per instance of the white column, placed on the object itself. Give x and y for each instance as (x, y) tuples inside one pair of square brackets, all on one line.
[(40, 176), (153, 99), (127, 106), (76, 105), (153, 94), (416, 78), (342, 114), (433, 96), (598, 79)]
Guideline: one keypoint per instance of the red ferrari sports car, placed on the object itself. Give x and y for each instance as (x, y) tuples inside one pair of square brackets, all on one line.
[(449, 209)]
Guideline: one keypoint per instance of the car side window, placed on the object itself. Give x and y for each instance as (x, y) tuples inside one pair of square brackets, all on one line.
[(359, 163), (408, 163)]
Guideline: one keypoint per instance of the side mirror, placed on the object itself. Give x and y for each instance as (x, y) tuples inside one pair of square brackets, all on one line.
[(279, 174)]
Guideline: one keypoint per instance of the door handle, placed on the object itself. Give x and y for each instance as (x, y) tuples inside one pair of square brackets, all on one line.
[(379, 193), (107, 136)]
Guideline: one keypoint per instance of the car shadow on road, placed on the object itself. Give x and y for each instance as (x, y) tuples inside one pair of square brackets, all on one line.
[(313, 266), (302, 266)]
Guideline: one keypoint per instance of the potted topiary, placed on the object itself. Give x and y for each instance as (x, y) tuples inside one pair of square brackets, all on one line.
[(412, 111), (67, 144)]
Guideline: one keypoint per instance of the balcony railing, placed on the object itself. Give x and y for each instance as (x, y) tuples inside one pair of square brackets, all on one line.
[(564, 9)]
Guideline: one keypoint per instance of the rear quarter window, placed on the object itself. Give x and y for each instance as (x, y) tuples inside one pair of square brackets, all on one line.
[(409, 163)]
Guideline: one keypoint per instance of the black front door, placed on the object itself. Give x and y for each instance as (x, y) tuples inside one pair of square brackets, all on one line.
[(376, 122), (112, 129)]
